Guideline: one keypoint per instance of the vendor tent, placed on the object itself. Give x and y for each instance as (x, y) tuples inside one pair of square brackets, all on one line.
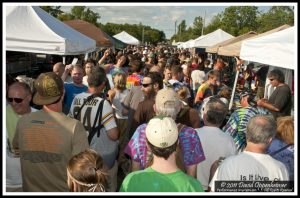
[(102, 39), (215, 48), (187, 44), (212, 39), (235, 48), (277, 49), (118, 44), (31, 29), (127, 38), (90, 30)]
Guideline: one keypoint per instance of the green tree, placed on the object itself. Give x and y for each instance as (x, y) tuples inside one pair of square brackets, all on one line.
[(65, 17), (182, 27), (197, 26), (90, 16), (181, 35), (52, 10), (275, 17), (215, 23), (150, 35), (83, 13), (237, 20), (77, 11)]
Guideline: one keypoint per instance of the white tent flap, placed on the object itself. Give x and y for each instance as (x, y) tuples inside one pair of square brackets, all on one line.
[(275, 49), (31, 29), (127, 38), (212, 39)]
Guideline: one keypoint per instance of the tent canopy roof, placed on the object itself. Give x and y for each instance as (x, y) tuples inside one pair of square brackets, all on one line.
[(212, 39), (127, 38), (102, 39), (215, 48), (31, 29), (235, 48), (275, 49)]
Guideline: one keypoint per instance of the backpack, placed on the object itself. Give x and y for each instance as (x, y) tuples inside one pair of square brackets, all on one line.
[(279, 150), (101, 143)]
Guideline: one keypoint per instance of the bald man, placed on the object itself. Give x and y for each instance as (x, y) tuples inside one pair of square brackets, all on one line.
[(18, 98), (59, 68)]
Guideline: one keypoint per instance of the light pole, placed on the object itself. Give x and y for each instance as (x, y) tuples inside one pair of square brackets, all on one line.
[(203, 22), (179, 32), (143, 36)]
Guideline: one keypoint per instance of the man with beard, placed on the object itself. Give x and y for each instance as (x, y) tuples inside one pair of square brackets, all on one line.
[(150, 86)]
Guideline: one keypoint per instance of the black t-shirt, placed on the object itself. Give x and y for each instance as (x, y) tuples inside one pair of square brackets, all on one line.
[(281, 98)]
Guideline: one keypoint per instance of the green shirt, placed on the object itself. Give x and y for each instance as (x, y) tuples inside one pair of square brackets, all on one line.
[(149, 180), (11, 123)]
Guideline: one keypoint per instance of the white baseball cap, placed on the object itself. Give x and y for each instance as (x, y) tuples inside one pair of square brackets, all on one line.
[(162, 131)]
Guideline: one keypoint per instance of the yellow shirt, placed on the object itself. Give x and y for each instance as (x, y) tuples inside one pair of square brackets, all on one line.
[(11, 123)]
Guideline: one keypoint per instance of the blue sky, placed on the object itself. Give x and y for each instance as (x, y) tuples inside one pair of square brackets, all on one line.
[(161, 16)]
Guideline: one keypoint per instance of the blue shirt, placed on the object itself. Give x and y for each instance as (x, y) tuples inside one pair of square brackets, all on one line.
[(285, 156), (71, 91)]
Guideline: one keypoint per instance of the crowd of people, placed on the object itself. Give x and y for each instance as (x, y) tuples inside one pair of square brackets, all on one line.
[(147, 119)]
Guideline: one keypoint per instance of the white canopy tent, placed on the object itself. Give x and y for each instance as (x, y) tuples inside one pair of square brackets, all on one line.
[(190, 43), (234, 49), (211, 39), (176, 43), (127, 38), (215, 48), (186, 44), (31, 29), (275, 49)]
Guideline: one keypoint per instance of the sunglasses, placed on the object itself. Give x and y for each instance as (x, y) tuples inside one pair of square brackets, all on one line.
[(17, 100), (146, 85)]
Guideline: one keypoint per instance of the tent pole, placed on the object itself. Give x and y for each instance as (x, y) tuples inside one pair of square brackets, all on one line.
[(233, 89), (86, 56)]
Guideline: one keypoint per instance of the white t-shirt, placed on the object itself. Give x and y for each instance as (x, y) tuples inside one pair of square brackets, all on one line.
[(250, 166), (197, 78), (84, 80), (215, 144), (13, 169), (116, 104), (110, 80), (88, 112)]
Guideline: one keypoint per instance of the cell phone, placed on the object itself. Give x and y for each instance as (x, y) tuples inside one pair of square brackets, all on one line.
[(74, 61)]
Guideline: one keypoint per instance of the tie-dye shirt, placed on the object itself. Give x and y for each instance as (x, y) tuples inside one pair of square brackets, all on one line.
[(237, 124), (203, 91), (134, 80), (189, 143)]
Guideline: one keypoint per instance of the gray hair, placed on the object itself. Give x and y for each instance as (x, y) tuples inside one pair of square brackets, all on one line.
[(168, 111), (260, 129), (277, 74), (215, 112), (24, 85), (27, 80)]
